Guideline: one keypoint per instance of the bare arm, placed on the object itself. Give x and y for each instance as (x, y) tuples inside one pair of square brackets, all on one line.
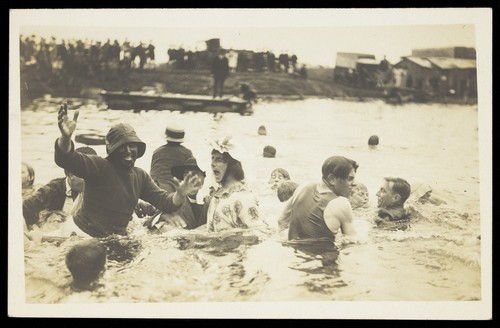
[(67, 127), (338, 215)]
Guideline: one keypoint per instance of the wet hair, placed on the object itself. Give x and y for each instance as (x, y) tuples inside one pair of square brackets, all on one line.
[(234, 168), (339, 166), (401, 187), (269, 151), (262, 130), (286, 190), (86, 260), (31, 172), (283, 172), (373, 140)]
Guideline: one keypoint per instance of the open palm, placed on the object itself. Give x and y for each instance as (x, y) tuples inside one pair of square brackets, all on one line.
[(66, 126)]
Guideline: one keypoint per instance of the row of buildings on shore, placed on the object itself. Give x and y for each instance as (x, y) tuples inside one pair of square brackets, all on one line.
[(428, 74)]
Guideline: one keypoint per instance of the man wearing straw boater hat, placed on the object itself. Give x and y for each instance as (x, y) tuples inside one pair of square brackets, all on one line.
[(113, 185), (169, 155)]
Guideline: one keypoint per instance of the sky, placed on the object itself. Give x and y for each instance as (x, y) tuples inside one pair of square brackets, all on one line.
[(314, 35)]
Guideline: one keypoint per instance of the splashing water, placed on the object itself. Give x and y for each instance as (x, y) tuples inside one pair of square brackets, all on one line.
[(436, 258)]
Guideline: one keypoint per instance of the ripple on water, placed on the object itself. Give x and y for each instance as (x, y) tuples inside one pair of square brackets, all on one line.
[(436, 258)]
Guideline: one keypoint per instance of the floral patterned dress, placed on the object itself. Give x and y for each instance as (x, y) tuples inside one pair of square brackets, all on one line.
[(234, 207)]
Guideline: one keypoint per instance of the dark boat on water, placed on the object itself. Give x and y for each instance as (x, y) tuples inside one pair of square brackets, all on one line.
[(151, 100)]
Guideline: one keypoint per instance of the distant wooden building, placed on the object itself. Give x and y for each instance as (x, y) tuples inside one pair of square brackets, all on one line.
[(347, 64), (440, 76), (450, 52)]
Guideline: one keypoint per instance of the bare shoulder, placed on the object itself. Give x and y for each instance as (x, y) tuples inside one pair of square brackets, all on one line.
[(340, 202), (340, 208)]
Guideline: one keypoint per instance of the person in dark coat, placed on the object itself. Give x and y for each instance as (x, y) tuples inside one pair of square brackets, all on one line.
[(113, 185), (168, 155), (220, 71)]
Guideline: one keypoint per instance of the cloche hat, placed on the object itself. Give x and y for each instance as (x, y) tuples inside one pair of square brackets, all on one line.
[(120, 134)]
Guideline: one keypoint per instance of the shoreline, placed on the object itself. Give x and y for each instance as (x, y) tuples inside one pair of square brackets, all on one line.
[(268, 85)]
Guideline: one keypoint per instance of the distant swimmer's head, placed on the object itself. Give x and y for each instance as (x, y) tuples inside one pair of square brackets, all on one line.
[(269, 152), (262, 130), (373, 141)]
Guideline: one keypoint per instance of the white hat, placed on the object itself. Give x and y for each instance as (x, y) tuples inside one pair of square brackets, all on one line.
[(225, 145), (175, 133)]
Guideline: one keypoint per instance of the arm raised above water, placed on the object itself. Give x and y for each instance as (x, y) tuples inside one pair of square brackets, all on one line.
[(67, 127)]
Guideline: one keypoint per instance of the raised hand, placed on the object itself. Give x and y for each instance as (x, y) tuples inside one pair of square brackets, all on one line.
[(190, 184), (66, 126)]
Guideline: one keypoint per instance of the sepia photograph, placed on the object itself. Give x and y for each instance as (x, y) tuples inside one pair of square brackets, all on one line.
[(250, 163)]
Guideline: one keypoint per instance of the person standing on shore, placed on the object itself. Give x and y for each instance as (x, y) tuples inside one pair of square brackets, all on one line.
[(113, 185), (220, 71)]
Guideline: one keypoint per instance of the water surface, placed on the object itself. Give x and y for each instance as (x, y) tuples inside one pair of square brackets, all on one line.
[(438, 258)]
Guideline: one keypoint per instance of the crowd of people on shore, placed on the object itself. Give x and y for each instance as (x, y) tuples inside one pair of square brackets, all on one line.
[(239, 61), (99, 196), (54, 58)]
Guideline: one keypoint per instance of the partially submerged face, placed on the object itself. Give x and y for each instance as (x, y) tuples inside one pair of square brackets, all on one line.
[(276, 179), (386, 197), (359, 196)]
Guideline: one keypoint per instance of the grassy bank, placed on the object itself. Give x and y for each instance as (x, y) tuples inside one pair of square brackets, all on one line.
[(319, 83)]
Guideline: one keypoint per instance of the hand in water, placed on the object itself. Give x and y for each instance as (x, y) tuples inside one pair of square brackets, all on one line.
[(66, 126), (174, 220), (143, 209), (159, 219)]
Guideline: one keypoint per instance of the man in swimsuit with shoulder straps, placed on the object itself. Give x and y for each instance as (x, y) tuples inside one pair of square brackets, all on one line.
[(320, 210)]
